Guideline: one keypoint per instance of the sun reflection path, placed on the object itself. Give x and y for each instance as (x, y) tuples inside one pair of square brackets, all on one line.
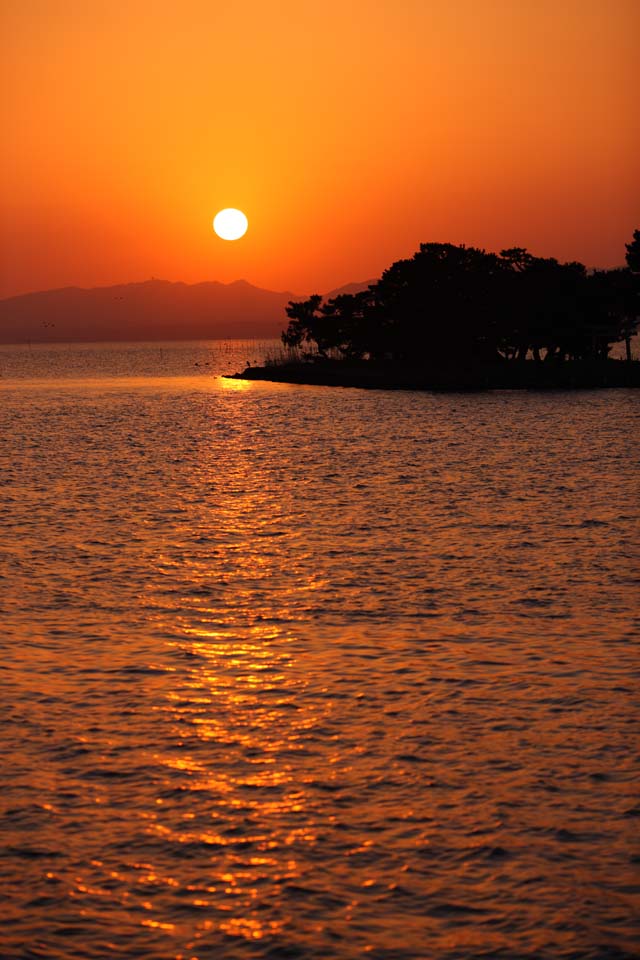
[(234, 807), (237, 722), (227, 383)]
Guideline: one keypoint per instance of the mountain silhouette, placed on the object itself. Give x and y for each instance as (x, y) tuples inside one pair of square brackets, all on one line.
[(348, 288), (152, 310)]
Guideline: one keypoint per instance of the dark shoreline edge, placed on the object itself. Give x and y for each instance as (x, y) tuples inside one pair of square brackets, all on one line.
[(527, 375)]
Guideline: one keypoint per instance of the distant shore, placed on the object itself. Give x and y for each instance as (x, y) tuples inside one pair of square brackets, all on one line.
[(527, 375)]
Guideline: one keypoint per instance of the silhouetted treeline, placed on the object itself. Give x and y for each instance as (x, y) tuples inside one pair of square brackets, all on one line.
[(483, 306)]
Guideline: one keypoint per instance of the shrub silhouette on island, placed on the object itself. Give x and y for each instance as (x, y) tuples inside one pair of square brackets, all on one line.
[(459, 314)]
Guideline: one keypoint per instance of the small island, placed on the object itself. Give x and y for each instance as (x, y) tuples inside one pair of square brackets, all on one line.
[(459, 318)]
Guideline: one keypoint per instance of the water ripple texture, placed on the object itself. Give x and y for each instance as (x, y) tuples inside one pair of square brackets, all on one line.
[(297, 672)]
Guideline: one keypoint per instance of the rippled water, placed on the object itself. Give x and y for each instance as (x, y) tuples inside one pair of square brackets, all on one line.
[(297, 672)]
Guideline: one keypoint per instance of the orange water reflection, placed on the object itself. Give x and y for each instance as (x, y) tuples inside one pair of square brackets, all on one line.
[(231, 384), (297, 697), (241, 698), (239, 711)]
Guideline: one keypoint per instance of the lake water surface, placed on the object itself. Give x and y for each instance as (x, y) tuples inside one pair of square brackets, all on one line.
[(301, 672)]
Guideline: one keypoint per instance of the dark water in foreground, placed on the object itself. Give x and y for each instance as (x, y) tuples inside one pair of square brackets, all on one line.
[(293, 672)]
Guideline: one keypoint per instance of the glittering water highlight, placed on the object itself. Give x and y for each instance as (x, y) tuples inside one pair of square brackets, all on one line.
[(301, 672)]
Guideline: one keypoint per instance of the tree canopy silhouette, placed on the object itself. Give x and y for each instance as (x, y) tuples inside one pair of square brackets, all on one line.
[(633, 253), (481, 306)]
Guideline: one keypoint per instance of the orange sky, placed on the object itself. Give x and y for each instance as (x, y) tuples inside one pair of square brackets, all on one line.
[(348, 131)]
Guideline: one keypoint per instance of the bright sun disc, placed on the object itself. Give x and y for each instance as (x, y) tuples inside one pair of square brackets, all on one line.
[(230, 224)]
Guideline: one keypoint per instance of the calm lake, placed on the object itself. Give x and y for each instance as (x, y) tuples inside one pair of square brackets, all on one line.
[(301, 672)]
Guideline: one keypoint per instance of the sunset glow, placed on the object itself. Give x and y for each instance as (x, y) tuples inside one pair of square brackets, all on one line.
[(351, 133), (319, 337)]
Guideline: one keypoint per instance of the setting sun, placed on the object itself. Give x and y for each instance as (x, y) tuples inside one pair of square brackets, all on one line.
[(230, 224)]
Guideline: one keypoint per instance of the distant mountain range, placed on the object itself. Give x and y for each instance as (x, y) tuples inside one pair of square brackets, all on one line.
[(152, 310)]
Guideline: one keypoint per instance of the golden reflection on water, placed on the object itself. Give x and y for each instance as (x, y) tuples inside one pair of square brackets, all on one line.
[(277, 692), (241, 697), (235, 385)]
